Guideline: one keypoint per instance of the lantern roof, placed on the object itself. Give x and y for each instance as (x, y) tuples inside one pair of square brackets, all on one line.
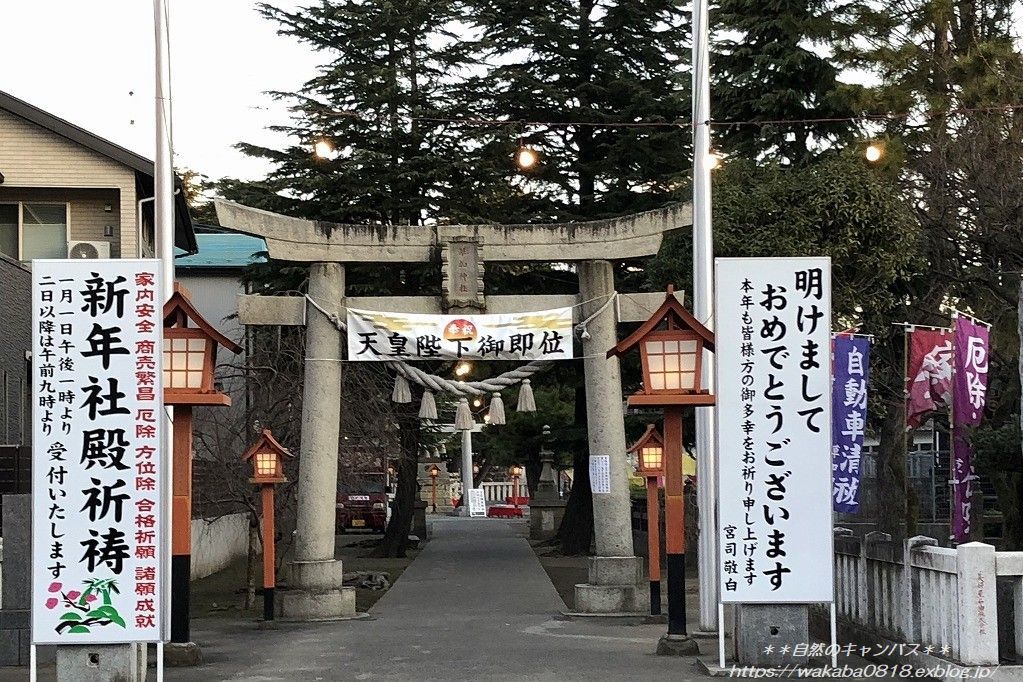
[(672, 310), (651, 435), (179, 308), (266, 442)]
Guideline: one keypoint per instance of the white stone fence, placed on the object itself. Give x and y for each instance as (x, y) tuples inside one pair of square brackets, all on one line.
[(923, 594), (495, 491)]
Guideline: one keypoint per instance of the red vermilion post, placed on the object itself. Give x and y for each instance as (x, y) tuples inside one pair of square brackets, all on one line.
[(181, 524), (653, 530), (269, 560), (674, 520)]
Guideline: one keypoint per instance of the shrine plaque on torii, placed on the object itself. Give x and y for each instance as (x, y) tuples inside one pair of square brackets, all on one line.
[(462, 272)]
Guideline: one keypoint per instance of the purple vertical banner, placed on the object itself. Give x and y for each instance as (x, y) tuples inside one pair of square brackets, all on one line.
[(848, 419), (969, 395)]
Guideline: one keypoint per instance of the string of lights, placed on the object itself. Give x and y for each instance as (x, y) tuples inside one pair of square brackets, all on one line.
[(528, 158), (684, 123)]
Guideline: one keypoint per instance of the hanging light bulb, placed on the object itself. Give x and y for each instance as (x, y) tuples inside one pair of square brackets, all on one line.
[(713, 160), (526, 158), (874, 152), (463, 368), (477, 403), (323, 149)]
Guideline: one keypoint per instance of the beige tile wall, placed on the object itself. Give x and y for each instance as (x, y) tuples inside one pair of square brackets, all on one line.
[(33, 157), (89, 216)]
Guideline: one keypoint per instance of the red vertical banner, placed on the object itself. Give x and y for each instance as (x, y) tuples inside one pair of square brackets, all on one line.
[(928, 373)]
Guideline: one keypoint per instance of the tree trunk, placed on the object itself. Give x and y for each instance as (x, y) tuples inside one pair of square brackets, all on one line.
[(584, 134), (576, 531), (252, 563), (892, 509), (395, 542)]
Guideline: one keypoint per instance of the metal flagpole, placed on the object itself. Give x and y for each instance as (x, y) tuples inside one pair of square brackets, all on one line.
[(163, 213), (703, 274), (466, 471)]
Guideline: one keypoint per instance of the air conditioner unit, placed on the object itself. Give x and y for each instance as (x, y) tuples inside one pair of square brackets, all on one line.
[(88, 250)]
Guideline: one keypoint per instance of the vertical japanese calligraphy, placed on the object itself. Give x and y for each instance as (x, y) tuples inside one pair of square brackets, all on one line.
[(969, 395), (849, 418), (773, 377), (97, 491)]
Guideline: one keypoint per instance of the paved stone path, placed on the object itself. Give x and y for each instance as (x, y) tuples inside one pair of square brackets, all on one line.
[(474, 605)]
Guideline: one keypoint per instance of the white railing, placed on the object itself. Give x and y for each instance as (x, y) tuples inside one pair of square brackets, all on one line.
[(928, 595), (494, 491), (499, 491)]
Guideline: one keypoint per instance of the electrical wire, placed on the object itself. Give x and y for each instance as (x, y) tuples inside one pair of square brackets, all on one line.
[(684, 123)]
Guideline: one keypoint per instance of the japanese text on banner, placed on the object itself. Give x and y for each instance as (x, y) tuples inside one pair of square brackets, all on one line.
[(849, 414), (541, 335), (969, 396)]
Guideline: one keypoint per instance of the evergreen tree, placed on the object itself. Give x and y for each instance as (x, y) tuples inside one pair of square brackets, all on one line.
[(585, 66), (949, 66), (387, 65), (774, 69)]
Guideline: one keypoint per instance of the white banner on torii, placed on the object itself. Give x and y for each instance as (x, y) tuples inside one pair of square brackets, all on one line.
[(382, 336)]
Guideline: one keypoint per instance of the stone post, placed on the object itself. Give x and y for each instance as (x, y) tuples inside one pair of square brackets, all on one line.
[(15, 625), (546, 508), (101, 663), (316, 592), (978, 607), (466, 471), (910, 587), (615, 572)]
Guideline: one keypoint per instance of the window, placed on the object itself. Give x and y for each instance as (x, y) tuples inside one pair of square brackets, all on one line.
[(31, 230), (652, 456), (183, 360), (672, 365), (9, 230)]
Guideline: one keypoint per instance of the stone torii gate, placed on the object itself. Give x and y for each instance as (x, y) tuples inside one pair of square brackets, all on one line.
[(614, 573)]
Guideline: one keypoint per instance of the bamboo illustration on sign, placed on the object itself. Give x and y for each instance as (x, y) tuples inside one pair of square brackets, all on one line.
[(84, 615)]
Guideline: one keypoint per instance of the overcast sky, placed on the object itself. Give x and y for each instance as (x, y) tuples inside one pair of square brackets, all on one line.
[(81, 59)]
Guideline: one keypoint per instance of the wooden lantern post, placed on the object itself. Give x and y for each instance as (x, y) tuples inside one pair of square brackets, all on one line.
[(516, 472), (649, 450), (434, 473), (267, 457), (671, 345), (189, 358)]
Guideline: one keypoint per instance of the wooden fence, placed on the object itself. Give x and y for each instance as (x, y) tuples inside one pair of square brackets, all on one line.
[(15, 471)]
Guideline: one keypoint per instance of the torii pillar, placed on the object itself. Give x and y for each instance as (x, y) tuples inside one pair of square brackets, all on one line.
[(315, 589), (614, 571), (615, 582)]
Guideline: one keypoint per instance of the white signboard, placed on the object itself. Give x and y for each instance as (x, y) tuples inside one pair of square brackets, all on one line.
[(97, 473), (477, 502), (542, 335), (600, 474), (773, 360)]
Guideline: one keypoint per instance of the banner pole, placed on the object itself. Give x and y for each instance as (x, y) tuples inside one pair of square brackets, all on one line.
[(721, 635), (834, 636), (954, 483), (33, 674), (906, 437)]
